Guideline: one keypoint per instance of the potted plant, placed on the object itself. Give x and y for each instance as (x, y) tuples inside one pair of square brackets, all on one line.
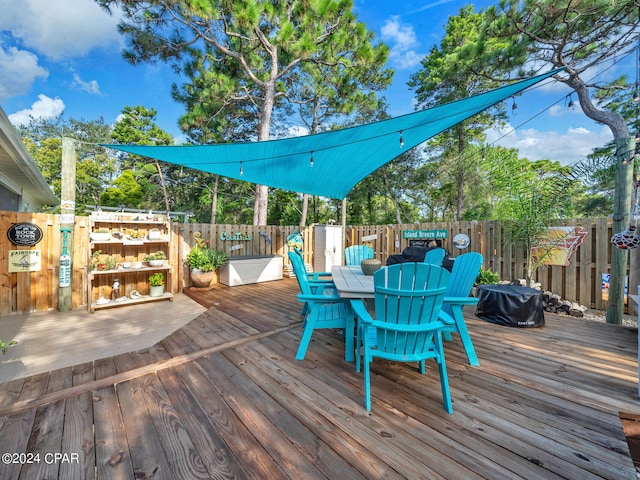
[(102, 262), (100, 235), (156, 284), (156, 259), (203, 261)]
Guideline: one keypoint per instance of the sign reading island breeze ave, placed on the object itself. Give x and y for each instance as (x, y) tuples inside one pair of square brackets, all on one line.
[(24, 234), (425, 234)]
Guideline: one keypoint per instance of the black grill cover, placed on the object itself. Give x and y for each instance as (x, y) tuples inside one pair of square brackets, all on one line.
[(510, 305), (416, 254)]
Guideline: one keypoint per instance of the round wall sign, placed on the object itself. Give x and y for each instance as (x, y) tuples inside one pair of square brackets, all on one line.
[(24, 234), (461, 241)]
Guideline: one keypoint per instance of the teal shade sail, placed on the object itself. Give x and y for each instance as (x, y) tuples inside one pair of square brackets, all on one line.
[(330, 163)]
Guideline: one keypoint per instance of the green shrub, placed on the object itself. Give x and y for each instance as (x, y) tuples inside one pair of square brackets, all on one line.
[(487, 277)]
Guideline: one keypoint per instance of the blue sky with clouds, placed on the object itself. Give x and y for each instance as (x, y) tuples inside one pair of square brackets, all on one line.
[(64, 57)]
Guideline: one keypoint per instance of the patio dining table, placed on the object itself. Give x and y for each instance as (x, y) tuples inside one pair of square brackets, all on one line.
[(351, 282)]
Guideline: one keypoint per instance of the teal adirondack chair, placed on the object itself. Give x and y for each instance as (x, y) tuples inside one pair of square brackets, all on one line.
[(465, 270), (408, 300), (320, 282), (356, 253), (321, 310), (435, 256)]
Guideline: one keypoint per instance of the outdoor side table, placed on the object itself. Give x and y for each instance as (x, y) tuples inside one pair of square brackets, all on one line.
[(510, 305)]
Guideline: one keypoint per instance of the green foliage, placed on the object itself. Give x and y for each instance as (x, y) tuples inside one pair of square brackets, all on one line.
[(206, 259), (159, 255), (486, 277), (446, 76), (4, 346), (532, 193), (156, 279), (245, 59)]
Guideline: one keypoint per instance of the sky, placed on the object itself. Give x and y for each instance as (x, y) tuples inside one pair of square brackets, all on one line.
[(63, 57)]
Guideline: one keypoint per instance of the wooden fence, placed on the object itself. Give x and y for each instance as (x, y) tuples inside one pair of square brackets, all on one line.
[(38, 291)]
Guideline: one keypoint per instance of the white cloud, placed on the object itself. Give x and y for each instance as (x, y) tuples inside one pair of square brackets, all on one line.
[(404, 42), (59, 28), (18, 70), (298, 131), (567, 147), (44, 108), (89, 87)]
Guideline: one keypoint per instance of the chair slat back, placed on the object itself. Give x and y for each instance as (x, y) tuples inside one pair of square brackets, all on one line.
[(356, 253), (407, 294), (465, 270), (301, 272), (435, 256)]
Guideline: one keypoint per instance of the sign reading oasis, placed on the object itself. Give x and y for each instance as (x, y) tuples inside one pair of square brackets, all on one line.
[(225, 237), (24, 234), (425, 234)]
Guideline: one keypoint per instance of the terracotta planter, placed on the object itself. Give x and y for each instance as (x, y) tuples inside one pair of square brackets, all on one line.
[(201, 279)]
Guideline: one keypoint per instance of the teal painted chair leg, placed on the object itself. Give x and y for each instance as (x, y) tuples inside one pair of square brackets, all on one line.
[(367, 385), (309, 325), (444, 379), (465, 338), (349, 341)]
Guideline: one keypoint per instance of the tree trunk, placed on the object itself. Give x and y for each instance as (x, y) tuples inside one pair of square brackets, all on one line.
[(305, 209), (164, 187), (625, 146), (214, 200), (261, 206), (621, 216), (394, 200)]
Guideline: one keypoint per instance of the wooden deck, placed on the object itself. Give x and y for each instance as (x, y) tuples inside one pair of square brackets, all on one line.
[(223, 397)]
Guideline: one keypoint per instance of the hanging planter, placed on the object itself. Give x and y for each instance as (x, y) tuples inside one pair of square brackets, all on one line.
[(627, 239)]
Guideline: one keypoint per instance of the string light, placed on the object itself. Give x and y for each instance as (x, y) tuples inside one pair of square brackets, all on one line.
[(311, 161), (514, 107), (401, 140), (241, 169)]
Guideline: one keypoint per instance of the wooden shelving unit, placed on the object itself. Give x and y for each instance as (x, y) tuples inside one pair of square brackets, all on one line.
[(125, 244)]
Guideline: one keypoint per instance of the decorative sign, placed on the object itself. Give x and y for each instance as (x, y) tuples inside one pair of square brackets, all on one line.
[(67, 204), (24, 260), (557, 245), (237, 247), (461, 241), (425, 234), (245, 237), (368, 238), (67, 218), (24, 234)]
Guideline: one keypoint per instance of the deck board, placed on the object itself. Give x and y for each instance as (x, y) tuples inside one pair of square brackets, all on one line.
[(223, 397)]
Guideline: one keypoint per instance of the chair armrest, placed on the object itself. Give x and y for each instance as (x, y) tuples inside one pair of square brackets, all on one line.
[(320, 298), (315, 275), (326, 282), (360, 311), (445, 318), (461, 300)]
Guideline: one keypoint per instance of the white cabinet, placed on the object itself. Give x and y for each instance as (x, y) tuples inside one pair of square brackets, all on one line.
[(328, 247), (251, 269)]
